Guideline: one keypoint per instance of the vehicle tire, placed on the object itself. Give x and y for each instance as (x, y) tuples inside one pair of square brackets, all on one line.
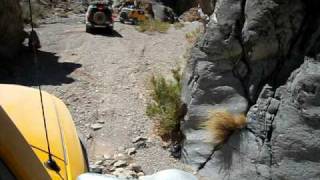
[(135, 21), (123, 17)]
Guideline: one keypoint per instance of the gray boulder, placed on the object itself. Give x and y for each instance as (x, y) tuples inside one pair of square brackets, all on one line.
[(282, 138)]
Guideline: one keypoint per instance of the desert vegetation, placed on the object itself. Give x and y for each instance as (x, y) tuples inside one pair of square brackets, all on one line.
[(222, 123), (153, 26), (165, 105)]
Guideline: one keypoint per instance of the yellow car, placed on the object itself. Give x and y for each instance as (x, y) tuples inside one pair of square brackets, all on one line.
[(132, 15), (24, 151)]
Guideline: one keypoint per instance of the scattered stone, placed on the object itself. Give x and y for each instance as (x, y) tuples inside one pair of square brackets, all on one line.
[(139, 138), (107, 157), (140, 144), (121, 156), (131, 151), (99, 162), (96, 126), (112, 168), (120, 163), (96, 168), (140, 174), (100, 121), (135, 167), (109, 162), (124, 173), (89, 136), (175, 150)]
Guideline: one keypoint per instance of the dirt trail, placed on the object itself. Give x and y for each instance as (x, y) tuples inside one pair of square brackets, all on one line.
[(104, 81)]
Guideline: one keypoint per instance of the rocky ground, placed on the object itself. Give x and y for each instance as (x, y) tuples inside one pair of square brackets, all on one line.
[(103, 78)]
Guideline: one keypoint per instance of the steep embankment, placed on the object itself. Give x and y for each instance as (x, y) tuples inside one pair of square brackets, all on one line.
[(245, 62), (11, 28)]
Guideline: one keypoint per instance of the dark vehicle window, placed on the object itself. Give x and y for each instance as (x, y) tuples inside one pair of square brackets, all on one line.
[(5, 173)]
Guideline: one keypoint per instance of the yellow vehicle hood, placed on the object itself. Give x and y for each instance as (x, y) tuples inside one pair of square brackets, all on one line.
[(23, 106)]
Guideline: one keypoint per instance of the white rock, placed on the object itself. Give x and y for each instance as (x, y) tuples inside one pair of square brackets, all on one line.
[(120, 163), (121, 156), (99, 162), (96, 126), (135, 167), (107, 157), (131, 151)]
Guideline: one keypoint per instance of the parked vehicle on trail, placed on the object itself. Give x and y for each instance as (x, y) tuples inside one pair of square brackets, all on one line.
[(99, 15), (132, 15)]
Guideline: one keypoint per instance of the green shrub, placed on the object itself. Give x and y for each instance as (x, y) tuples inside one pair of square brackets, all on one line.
[(165, 106), (153, 26)]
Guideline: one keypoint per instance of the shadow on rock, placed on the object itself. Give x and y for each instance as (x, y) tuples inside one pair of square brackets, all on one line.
[(22, 70)]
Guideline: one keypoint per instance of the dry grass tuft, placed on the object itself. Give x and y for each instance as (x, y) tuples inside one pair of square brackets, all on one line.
[(221, 124), (153, 26)]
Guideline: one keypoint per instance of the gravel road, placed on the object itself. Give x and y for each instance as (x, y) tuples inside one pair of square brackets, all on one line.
[(103, 78)]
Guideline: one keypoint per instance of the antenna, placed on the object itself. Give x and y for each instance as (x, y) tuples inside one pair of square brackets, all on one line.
[(34, 42)]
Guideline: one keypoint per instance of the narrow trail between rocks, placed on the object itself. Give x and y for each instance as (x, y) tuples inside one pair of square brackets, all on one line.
[(103, 78)]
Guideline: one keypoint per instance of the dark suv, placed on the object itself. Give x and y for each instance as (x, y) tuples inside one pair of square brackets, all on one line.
[(99, 15)]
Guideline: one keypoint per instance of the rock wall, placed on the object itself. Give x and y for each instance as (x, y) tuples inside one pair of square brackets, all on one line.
[(11, 28), (247, 45)]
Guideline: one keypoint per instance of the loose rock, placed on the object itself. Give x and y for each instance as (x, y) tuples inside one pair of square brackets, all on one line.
[(131, 151), (135, 167), (120, 163), (96, 126), (96, 168), (139, 138)]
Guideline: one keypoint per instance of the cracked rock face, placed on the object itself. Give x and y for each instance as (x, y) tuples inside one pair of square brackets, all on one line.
[(251, 59), (11, 28)]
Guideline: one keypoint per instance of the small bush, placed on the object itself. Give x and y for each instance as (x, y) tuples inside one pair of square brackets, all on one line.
[(193, 36), (221, 124), (165, 106), (153, 26)]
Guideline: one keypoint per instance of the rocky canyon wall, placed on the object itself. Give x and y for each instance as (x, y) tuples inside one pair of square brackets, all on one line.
[(256, 57)]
